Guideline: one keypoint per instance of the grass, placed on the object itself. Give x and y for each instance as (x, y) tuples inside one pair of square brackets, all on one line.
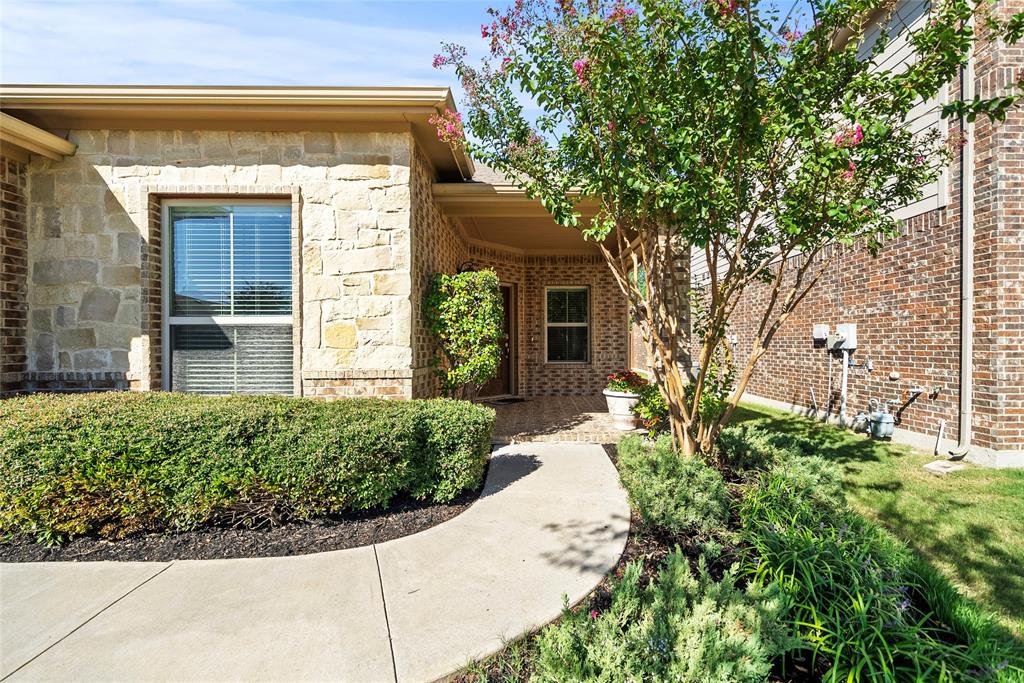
[(969, 525)]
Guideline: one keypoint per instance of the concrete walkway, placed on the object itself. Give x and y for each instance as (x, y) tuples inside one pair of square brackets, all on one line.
[(552, 520)]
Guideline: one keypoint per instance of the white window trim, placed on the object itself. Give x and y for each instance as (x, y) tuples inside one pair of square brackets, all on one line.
[(166, 269), (566, 288)]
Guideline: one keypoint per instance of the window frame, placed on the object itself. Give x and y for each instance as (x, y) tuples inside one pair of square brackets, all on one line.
[(167, 281), (567, 288)]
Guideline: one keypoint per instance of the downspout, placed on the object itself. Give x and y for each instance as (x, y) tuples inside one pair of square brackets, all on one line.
[(966, 261)]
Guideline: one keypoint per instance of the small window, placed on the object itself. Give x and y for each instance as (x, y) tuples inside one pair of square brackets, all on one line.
[(228, 299), (568, 325)]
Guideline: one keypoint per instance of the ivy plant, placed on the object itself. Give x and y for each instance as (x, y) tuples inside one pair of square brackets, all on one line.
[(465, 315)]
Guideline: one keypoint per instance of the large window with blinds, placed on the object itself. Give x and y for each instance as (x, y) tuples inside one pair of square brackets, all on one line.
[(228, 297), (567, 324)]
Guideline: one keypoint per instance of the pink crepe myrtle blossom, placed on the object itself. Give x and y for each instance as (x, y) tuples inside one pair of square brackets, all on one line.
[(851, 168), (792, 36), (567, 7), (851, 137), (593, 614), (449, 127), (611, 126), (581, 67), (725, 7), (439, 61), (620, 13), (919, 160)]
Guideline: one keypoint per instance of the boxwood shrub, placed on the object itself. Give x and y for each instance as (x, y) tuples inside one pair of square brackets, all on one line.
[(116, 463)]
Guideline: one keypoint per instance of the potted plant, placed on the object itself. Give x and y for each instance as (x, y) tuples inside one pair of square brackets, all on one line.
[(622, 393)]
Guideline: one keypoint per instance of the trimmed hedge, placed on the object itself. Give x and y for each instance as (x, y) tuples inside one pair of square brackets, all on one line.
[(118, 463)]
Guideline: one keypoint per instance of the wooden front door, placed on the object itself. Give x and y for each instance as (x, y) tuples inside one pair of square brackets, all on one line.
[(501, 385)]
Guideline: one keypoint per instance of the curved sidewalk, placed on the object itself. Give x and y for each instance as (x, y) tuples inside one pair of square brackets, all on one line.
[(551, 521)]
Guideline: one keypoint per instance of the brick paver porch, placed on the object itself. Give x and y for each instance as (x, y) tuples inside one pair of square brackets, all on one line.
[(555, 418)]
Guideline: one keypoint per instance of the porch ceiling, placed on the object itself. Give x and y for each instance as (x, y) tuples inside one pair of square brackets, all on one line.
[(503, 216)]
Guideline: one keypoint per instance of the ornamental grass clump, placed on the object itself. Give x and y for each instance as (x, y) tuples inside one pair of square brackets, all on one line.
[(118, 463), (863, 606)]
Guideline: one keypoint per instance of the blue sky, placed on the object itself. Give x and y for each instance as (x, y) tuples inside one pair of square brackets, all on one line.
[(244, 42)]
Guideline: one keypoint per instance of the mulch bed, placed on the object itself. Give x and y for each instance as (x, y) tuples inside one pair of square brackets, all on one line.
[(403, 517)]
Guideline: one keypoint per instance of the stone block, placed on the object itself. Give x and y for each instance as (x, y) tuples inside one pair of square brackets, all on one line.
[(89, 141), (351, 223), (100, 305), (129, 247), (318, 143), (65, 316), (393, 199), (352, 198), (392, 283), (320, 287), (41, 188), (43, 347), (344, 308), (318, 222), (119, 361), (361, 171), (340, 335), (90, 219), (373, 238), (42, 320), (64, 271), (92, 359), (311, 324), (393, 221), (384, 357), (312, 263), (375, 306), (74, 339), (64, 360), (51, 219), (54, 295), (118, 276), (356, 285), (344, 261), (119, 142)]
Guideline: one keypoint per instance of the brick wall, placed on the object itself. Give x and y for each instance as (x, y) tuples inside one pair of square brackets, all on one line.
[(437, 247), (906, 302), (13, 274), (608, 320)]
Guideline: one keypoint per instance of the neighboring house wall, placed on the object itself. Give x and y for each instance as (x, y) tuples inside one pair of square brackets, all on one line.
[(906, 302), (13, 274), (94, 250)]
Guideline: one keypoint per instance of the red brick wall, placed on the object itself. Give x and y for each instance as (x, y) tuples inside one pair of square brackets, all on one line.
[(13, 274), (906, 302), (905, 305), (999, 254)]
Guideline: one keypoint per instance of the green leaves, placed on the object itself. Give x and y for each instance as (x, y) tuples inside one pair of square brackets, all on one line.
[(114, 464), (466, 317)]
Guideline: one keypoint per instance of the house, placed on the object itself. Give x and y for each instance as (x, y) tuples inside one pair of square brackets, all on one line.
[(272, 239), (939, 314)]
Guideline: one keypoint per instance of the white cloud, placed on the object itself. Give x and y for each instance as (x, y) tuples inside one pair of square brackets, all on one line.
[(212, 43)]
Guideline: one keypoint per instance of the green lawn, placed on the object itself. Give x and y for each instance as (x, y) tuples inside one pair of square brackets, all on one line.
[(969, 524)]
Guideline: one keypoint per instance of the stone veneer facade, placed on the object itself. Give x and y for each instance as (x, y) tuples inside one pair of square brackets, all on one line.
[(86, 304), (94, 290)]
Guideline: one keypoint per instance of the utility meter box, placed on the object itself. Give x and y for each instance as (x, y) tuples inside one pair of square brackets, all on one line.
[(845, 338), (820, 332)]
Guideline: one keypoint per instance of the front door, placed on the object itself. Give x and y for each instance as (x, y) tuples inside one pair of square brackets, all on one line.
[(501, 385)]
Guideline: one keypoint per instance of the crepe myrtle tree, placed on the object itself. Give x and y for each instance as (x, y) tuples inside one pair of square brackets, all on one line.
[(715, 125)]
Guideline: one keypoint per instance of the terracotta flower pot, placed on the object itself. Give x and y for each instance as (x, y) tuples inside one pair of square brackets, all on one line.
[(620, 404)]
